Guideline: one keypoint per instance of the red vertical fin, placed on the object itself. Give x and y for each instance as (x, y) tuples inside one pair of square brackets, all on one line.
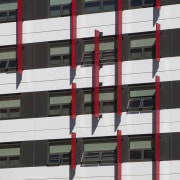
[(74, 33), (119, 58), (157, 127), (119, 158), (19, 36), (158, 34), (96, 75), (158, 4), (73, 104), (73, 150)]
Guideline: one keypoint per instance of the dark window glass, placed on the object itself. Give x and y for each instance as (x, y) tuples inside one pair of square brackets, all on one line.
[(109, 5), (92, 7), (136, 3), (55, 11)]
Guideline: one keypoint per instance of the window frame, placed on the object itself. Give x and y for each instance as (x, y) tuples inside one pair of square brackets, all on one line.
[(61, 10), (143, 5), (7, 158), (98, 153), (140, 36), (142, 151), (9, 108), (101, 6), (60, 44), (60, 154), (141, 98), (8, 13), (61, 113)]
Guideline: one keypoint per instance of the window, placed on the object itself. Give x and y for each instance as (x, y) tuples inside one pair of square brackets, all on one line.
[(9, 156), (107, 51), (142, 3), (9, 107), (59, 153), (8, 10), (60, 8), (59, 103), (142, 46), (8, 59), (95, 6), (141, 98), (107, 102), (141, 148), (99, 152), (60, 54)]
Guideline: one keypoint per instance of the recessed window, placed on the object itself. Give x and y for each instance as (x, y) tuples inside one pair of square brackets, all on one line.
[(141, 98), (142, 3), (8, 11), (142, 46), (9, 107), (59, 153), (141, 148), (107, 51), (99, 152), (59, 104), (60, 54), (9, 156), (95, 6), (60, 8), (8, 59)]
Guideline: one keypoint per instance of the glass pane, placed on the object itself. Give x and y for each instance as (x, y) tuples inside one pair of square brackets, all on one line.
[(92, 7), (13, 151), (60, 50), (88, 108), (54, 158), (54, 110), (142, 93), (134, 103), (66, 60), (12, 64), (60, 148), (140, 144), (136, 53), (91, 158), (14, 162), (59, 2), (88, 58), (55, 60), (142, 42), (108, 156), (66, 158), (3, 16), (106, 146), (6, 102), (3, 162), (3, 113), (135, 155), (3, 64), (13, 113), (67, 10), (109, 5), (148, 103), (66, 109), (89, 47), (148, 154), (60, 99), (149, 52), (108, 96), (55, 11), (108, 56), (106, 46), (8, 5), (136, 3), (148, 2), (7, 54), (87, 97), (108, 106), (12, 15)]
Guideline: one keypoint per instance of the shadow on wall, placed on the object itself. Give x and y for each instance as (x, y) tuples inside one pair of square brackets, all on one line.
[(71, 173), (156, 14), (18, 79)]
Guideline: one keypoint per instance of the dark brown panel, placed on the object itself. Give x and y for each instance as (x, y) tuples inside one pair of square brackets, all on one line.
[(28, 56), (125, 147), (125, 47), (41, 152), (80, 51), (174, 94), (79, 102), (175, 146), (41, 104), (41, 55), (27, 154), (28, 9), (79, 150), (125, 96), (27, 105), (169, 2)]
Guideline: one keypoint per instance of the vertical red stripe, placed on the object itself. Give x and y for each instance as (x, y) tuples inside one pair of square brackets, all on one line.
[(119, 158), (119, 58), (73, 105), (74, 33), (158, 4), (96, 75), (73, 150), (157, 127), (158, 34), (19, 36)]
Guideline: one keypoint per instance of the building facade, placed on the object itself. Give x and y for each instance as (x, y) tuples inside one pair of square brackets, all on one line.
[(89, 89)]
